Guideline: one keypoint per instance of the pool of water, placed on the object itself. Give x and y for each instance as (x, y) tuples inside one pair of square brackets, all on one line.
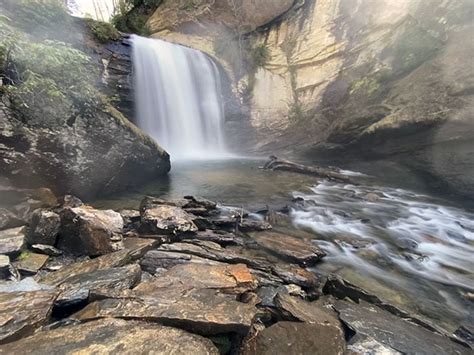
[(386, 233)]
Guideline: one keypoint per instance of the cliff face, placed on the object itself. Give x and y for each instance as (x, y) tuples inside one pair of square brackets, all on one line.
[(362, 78)]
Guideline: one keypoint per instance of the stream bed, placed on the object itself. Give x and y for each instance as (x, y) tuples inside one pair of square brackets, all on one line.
[(409, 248)]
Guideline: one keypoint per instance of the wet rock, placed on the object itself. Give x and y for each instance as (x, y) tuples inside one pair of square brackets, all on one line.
[(12, 241), (406, 337), (31, 263), (164, 219), (296, 338), (157, 260), (466, 333), (87, 231), (131, 218), (293, 274), (108, 261), (9, 219), (44, 227), (46, 249), (297, 250), (362, 345), (23, 312), (112, 336), (202, 311), (308, 312), (241, 224), (225, 278), (199, 202)]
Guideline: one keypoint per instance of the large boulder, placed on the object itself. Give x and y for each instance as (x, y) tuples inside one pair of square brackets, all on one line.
[(157, 218), (92, 154), (112, 336), (87, 231)]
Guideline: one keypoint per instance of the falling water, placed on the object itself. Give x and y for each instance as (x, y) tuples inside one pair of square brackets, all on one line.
[(178, 98)]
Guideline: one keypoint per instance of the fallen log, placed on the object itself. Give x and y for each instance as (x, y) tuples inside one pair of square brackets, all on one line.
[(332, 174)]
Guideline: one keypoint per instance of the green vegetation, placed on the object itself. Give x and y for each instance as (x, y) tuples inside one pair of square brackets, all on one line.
[(259, 55), (36, 17), (132, 15), (103, 31)]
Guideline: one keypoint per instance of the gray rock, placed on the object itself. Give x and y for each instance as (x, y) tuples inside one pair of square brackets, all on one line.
[(166, 219), (87, 231), (9, 220), (295, 339), (361, 345), (46, 249), (12, 241), (112, 336), (158, 259), (399, 334), (44, 227), (4, 266)]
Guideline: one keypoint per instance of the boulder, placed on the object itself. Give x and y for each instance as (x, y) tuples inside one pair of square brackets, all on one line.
[(296, 250), (294, 339), (44, 227), (23, 312), (12, 241), (202, 311), (399, 334), (31, 263), (87, 231), (112, 336), (165, 219)]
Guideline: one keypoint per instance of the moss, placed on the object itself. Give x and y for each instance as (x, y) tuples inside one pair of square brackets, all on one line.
[(103, 31), (259, 55), (23, 255), (366, 86)]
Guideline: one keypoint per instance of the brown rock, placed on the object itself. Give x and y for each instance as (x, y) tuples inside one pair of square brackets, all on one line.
[(23, 312), (12, 240), (296, 338), (297, 250), (31, 263), (112, 336), (158, 260), (108, 261), (202, 311), (87, 231)]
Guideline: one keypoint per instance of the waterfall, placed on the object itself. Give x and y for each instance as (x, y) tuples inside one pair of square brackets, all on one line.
[(178, 98)]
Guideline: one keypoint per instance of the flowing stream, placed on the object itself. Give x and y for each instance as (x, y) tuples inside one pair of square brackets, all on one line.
[(178, 98)]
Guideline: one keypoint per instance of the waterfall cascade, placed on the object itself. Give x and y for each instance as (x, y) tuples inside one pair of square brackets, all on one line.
[(178, 98)]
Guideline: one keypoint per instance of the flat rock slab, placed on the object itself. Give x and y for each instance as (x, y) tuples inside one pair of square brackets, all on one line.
[(155, 260), (406, 337), (201, 311), (361, 345), (112, 336), (12, 240), (164, 219), (108, 261), (23, 312), (87, 231), (31, 263), (291, 338), (296, 250), (223, 277)]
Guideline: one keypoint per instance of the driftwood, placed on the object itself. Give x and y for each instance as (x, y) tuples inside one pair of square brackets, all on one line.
[(333, 174)]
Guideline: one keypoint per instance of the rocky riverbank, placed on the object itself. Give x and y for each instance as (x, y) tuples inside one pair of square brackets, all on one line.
[(179, 276)]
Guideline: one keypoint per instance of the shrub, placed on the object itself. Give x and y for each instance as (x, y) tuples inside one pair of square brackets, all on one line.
[(103, 31)]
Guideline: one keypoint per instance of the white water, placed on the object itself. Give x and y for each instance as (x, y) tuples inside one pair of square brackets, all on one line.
[(178, 99)]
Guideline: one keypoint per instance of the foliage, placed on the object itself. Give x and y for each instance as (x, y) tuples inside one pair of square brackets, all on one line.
[(38, 16), (49, 80), (259, 55), (103, 31), (132, 16)]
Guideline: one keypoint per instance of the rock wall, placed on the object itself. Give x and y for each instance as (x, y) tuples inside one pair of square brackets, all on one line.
[(359, 79)]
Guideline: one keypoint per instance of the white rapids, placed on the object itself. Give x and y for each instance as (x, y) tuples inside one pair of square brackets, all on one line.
[(178, 98)]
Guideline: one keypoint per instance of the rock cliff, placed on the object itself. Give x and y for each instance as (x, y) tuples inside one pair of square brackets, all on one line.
[(359, 79)]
